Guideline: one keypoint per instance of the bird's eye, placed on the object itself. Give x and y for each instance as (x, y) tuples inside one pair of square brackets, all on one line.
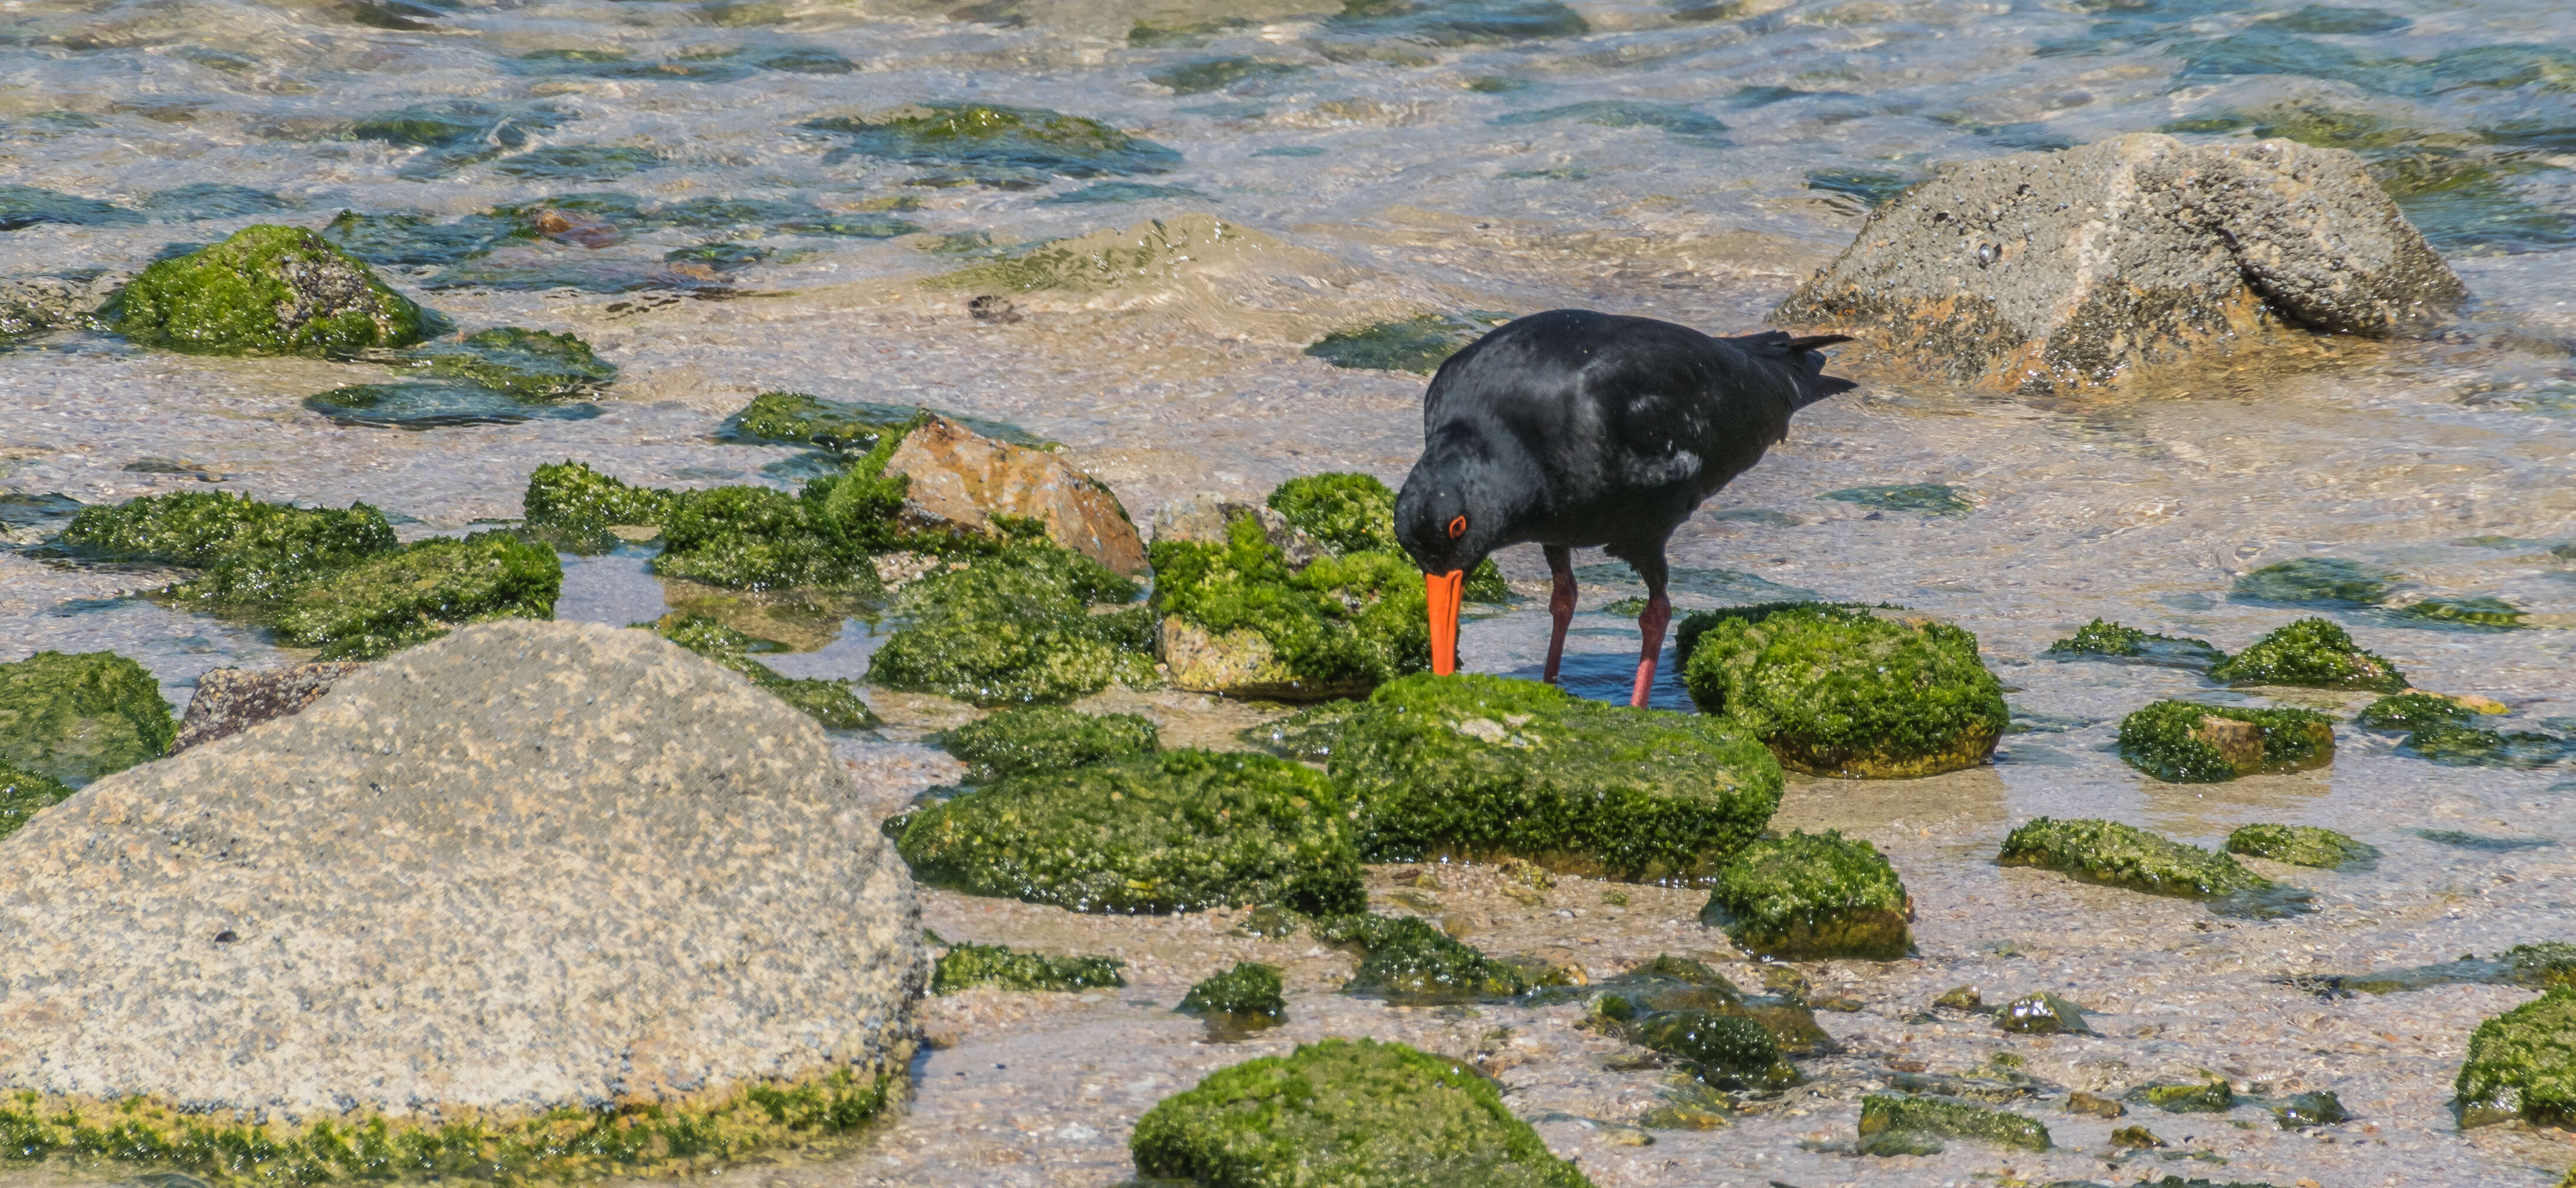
[(1457, 527)]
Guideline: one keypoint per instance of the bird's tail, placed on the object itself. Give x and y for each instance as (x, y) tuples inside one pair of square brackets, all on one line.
[(1813, 383)]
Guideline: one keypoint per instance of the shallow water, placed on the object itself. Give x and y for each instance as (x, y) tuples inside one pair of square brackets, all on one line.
[(733, 222)]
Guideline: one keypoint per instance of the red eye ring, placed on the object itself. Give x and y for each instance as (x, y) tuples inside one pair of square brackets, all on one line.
[(1457, 527)]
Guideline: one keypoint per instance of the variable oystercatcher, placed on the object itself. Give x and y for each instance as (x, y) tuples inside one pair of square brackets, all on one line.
[(1573, 429)]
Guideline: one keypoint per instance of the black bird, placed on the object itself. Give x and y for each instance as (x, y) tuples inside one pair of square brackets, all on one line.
[(1574, 429)]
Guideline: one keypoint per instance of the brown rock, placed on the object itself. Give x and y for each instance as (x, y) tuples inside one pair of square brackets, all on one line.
[(2080, 1102), (961, 480), (2048, 272), (1239, 663), (232, 700), (2240, 742)]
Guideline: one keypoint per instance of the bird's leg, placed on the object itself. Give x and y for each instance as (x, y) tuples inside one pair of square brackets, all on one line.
[(1650, 624), (1560, 564)]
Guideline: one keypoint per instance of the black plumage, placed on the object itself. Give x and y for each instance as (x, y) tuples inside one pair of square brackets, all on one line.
[(1574, 429)]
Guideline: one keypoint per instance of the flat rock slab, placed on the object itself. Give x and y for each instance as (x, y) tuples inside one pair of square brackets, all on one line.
[(2047, 272), (231, 700), (526, 866)]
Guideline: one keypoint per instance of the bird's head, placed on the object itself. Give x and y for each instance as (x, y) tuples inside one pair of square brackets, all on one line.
[(1448, 518)]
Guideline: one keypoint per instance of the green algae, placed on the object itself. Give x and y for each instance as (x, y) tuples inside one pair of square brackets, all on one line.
[(1838, 691), (528, 365), (67, 719), (1018, 628), (1007, 140), (834, 703), (1668, 983), (394, 600), (24, 792), (2468, 746), (1406, 960), (572, 506), (2042, 1013), (2105, 640), (1929, 499), (2181, 742), (1045, 738), (1173, 831), (564, 1144), (1418, 23), (1419, 344), (2414, 711), (250, 551), (1721, 1048), (796, 418), (2314, 581), (2302, 845), (963, 967), (1355, 513), (1345, 1112), (1811, 897), (1350, 619), (755, 538), (1216, 74), (1476, 768), (2493, 613), (2212, 1096), (2117, 855), (2314, 653), (2318, 1108), (1245, 997), (437, 405), (1891, 1125), (267, 291)]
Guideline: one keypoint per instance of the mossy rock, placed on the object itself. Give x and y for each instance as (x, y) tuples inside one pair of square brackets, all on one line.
[(392, 601), (2317, 1108), (1000, 143), (67, 719), (1418, 344), (1406, 960), (1003, 968), (2116, 855), (25, 792), (1891, 1125), (1046, 738), (1345, 1112), (2522, 1064), (1247, 993), (1811, 897), (1722, 1048), (1175, 831), (2186, 742), (2469, 746), (2414, 711), (2314, 581), (2301, 845), (1336, 625), (1034, 624), (1479, 768), (2486, 612), (799, 419), (1355, 513), (2212, 1096), (833, 702), (530, 365), (250, 551), (1841, 692), (267, 291), (754, 538), (2042, 1013), (2314, 653), (2540, 966), (572, 507), (2105, 640), (1669, 983)]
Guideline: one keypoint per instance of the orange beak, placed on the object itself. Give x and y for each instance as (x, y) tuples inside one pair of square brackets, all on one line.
[(1444, 590)]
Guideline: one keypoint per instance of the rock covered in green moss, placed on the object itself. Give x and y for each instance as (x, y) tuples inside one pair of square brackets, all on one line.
[(2470, 746), (1174, 831), (2212, 1096), (833, 702), (267, 290), (2300, 845), (800, 419), (2187, 742), (1407, 960), (1004, 968), (1811, 897), (2522, 1064), (2042, 1013), (571, 493), (1345, 1112), (1722, 1048), (1046, 738), (1241, 616), (250, 551), (755, 538), (1355, 513), (1248, 994), (1478, 768), (1891, 1125), (1839, 691), (1419, 344), (71, 718), (2314, 581), (2414, 711), (1669, 983), (530, 365), (2542, 965), (2316, 1108), (392, 601), (1032, 624), (2117, 855), (2105, 640), (24, 792), (2314, 653)]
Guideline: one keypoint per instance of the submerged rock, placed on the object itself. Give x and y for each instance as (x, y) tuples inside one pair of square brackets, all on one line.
[(2186, 742), (2314, 653), (1408, 961), (1243, 615), (528, 365), (1480, 768), (1419, 344), (596, 905), (1017, 628), (2319, 1108), (1842, 692), (1812, 897), (2105, 640), (962, 484), (392, 601), (2117, 855), (2212, 1096), (1245, 997), (2334, 582), (2301, 845), (1345, 1112), (250, 551), (833, 702), (1891, 1125), (438, 404), (999, 143), (1720, 1048), (1045, 738), (2415, 710), (231, 700), (268, 291), (65, 301), (2468, 746), (73, 718), (2042, 1013), (1174, 831), (2054, 271), (964, 967), (1669, 983)]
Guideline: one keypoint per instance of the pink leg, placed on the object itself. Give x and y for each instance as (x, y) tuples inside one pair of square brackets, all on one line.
[(1560, 564), (1659, 613)]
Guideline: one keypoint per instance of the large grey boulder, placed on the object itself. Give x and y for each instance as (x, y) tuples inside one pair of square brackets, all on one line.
[(527, 866), (2049, 272)]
